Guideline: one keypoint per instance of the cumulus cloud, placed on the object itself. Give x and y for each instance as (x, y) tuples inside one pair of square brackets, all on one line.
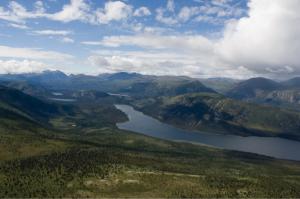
[(98, 61), (76, 10), (17, 13), (265, 42), (142, 11), (267, 38), (24, 66), (113, 11)]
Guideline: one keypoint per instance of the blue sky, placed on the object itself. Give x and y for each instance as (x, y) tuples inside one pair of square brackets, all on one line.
[(200, 38)]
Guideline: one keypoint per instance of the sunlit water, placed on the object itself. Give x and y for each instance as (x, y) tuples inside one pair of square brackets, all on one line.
[(271, 146)]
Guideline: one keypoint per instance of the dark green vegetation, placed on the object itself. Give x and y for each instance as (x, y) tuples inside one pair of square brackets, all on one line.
[(216, 113), (113, 163), (74, 149)]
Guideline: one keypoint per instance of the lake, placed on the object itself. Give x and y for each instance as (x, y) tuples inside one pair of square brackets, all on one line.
[(270, 146), (62, 99)]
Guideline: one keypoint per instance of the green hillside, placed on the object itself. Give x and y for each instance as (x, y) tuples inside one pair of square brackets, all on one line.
[(216, 113)]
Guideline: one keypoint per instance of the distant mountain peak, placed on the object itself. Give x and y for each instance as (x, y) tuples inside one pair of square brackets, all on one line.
[(292, 83), (249, 88), (124, 75), (54, 72)]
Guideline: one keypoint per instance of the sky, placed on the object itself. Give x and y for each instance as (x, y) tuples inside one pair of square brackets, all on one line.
[(199, 38)]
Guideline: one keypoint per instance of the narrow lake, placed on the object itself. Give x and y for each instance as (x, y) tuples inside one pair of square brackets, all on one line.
[(270, 146)]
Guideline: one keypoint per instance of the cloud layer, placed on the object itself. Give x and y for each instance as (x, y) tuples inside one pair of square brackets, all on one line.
[(25, 66), (269, 38), (265, 42)]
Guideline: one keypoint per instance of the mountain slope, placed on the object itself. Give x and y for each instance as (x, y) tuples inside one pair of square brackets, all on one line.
[(19, 103), (292, 83), (161, 87), (253, 88), (221, 85), (264, 91), (215, 113)]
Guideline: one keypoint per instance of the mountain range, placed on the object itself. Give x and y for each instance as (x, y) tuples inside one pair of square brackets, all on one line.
[(59, 139), (257, 106)]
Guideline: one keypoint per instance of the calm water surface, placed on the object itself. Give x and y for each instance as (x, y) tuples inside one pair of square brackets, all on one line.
[(275, 147), (62, 99)]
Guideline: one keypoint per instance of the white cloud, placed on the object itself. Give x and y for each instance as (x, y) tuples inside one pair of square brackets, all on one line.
[(208, 19), (98, 61), (187, 12), (266, 42), (172, 42), (159, 55), (171, 5), (19, 26), (18, 14), (217, 11), (24, 66), (76, 10), (162, 63), (31, 53), (67, 40), (142, 11), (39, 7), (113, 11), (267, 38), (53, 32), (168, 20), (221, 2)]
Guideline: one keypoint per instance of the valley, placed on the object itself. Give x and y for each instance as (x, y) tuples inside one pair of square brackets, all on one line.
[(77, 148), (149, 99)]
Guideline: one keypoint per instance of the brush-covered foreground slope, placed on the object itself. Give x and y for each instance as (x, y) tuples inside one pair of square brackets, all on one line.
[(112, 163), (216, 113), (23, 122)]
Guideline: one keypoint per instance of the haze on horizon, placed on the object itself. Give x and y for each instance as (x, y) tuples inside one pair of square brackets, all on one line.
[(197, 38)]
